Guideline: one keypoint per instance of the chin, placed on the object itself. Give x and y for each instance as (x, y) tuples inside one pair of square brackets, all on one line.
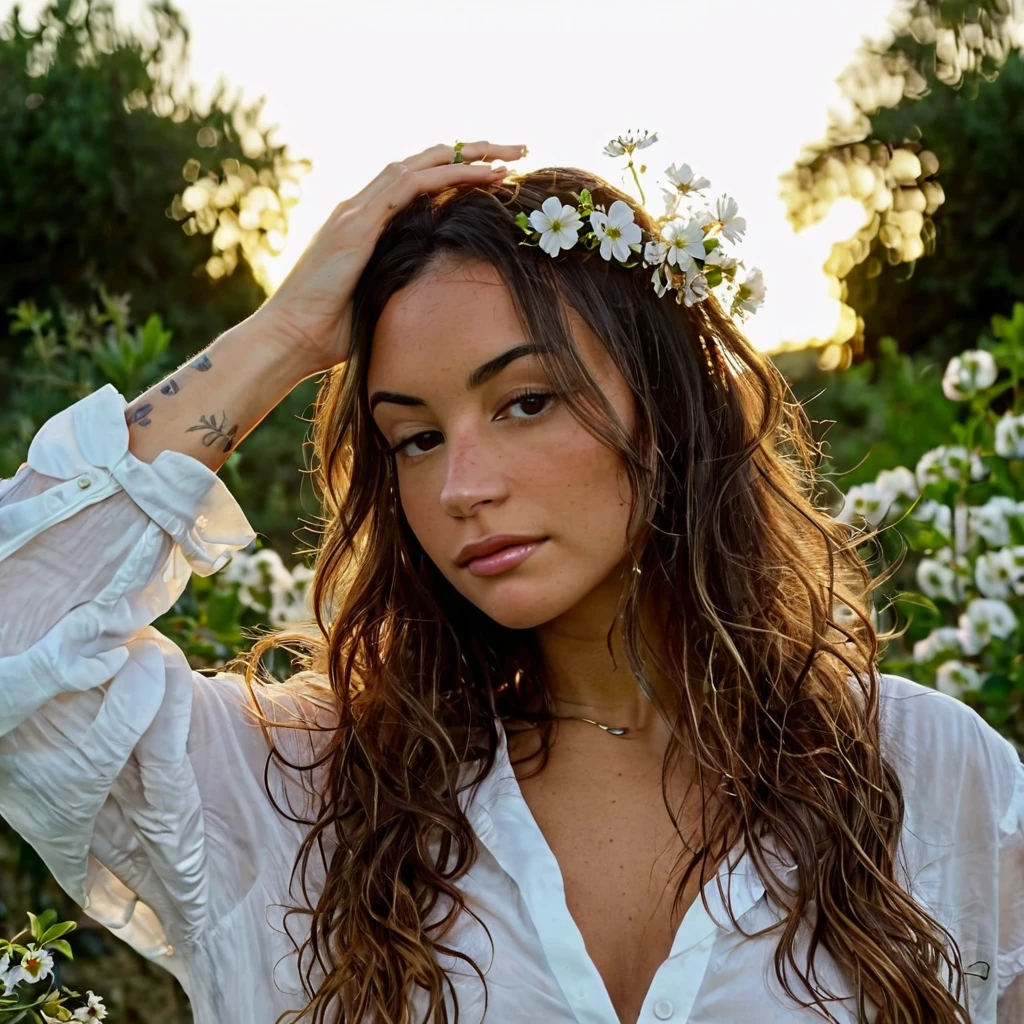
[(520, 607)]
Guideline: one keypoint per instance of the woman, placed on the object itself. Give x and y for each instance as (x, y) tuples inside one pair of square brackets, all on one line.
[(578, 737)]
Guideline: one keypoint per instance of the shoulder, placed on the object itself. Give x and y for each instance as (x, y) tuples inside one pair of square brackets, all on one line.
[(951, 762)]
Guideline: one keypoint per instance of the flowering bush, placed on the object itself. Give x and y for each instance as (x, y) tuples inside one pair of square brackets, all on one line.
[(962, 508), (217, 615), (35, 965)]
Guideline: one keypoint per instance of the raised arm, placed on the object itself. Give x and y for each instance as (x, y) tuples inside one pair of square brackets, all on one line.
[(139, 781), (212, 402)]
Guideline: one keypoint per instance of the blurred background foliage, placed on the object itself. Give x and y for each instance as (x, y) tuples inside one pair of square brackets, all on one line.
[(929, 141), (113, 181), (134, 223)]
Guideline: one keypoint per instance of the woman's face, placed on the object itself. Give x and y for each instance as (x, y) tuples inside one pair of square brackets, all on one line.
[(478, 459)]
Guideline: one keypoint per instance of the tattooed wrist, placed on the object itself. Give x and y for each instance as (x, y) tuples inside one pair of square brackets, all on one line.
[(140, 415), (215, 432)]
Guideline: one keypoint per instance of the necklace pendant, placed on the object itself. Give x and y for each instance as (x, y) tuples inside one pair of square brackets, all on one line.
[(615, 730)]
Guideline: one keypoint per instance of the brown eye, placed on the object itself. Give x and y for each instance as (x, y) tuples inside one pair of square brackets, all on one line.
[(403, 446), (534, 403)]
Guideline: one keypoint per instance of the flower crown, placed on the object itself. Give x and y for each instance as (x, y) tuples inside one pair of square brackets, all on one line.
[(687, 254)]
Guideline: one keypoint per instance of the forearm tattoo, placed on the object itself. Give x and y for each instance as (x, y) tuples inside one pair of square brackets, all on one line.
[(141, 415), (216, 432), (202, 363), (170, 388)]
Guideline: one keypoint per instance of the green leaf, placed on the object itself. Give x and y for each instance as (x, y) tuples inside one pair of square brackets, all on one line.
[(913, 597), (57, 930), (61, 945), (710, 244), (713, 275)]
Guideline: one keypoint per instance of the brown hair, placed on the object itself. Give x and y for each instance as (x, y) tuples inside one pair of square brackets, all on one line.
[(764, 600)]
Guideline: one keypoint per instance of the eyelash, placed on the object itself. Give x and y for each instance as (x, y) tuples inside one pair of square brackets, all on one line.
[(397, 449)]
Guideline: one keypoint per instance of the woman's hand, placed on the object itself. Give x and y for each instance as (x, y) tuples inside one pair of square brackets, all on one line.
[(310, 314)]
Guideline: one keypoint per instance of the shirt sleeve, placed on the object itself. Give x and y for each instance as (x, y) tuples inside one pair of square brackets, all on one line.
[(1011, 903), (139, 782)]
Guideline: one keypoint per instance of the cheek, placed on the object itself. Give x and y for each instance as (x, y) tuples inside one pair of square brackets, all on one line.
[(586, 487)]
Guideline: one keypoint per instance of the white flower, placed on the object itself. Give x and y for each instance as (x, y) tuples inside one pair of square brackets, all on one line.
[(898, 483), (945, 638), (968, 373), (962, 571), (95, 1010), (866, 501), (655, 251), (685, 242), (719, 258), (936, 579), (938, 515), (558, 225), (662, 278), (985, 618), (874, 501), (997, 572), (1017, 554), (628, 142), (6, 973), (751, 291), (731, 225), (35, 965), (1010, 436), (302, 575), (684, 180), (955, 678), (695, 288), (617, 230), (990, 521), (948, 462)]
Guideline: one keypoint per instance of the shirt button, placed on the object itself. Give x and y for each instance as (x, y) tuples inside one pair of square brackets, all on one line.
[(663, 1009), (84, 481)]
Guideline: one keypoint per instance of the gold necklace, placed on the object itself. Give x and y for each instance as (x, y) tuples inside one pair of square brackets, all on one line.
[(614, 730)]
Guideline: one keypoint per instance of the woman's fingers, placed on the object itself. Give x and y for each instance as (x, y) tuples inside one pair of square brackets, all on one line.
[(402, 182), (401, 190), (434, 156)]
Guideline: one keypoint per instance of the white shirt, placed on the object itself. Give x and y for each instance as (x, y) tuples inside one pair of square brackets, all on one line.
[(140, 781)]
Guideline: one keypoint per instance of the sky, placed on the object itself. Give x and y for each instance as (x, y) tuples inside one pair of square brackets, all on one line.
[(735, 88)]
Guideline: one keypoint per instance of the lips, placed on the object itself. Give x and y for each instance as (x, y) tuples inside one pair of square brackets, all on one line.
[(503, 559), (488, 546)]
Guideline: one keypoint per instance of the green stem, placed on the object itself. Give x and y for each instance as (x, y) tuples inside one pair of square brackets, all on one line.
[(636, 179)]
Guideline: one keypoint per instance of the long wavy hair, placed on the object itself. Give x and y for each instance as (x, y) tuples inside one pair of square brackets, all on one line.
[(762, 598)]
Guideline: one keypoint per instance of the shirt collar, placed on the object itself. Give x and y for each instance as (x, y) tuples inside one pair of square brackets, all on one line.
[(504, 824)]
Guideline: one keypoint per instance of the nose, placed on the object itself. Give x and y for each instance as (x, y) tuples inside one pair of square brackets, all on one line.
[(473, 475)]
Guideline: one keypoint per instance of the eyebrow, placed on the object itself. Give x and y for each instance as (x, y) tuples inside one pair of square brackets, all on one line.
[(480, 376)]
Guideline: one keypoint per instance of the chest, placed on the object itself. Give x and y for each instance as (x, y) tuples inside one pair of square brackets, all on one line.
[(620, 859)]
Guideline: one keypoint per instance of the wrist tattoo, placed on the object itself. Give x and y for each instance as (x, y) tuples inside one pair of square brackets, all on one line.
[(202, 363), (141, 415), (216, 431), (170, 388)]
